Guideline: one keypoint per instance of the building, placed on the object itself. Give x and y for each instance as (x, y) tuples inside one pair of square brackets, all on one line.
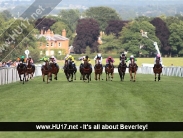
[(55, 43)]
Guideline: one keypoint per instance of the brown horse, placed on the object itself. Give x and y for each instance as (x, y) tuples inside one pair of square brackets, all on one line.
[(30, 70), (21, 68), (132, 70), (122, 68), (98, 70), (46, 70), (69, 70), (54, 70), (157, 69), (87, 70), (109, 70)]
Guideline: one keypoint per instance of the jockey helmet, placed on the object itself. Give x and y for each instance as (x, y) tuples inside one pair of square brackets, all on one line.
[(69, 56), (109, 57), (131, 56), (99, 55), (52, 57), (30, 57), (22, 57), (86, 57), (158, 55), (122, 54)]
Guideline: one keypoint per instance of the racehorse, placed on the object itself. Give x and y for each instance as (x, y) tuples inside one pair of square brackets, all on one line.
[(30, 70), (46, 70), (21, 68), (132, 70), (87, 70), (69, 70), (98, 70), (109, 70), (122, 69), (54, 70), (157, 69)]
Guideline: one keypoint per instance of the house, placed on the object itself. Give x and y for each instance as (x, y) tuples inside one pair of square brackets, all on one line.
[(55, 43)]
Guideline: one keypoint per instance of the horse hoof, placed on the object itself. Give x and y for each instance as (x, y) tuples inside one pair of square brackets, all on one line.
[(134, 81)]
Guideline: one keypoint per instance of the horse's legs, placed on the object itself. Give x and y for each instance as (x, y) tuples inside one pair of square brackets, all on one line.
[(95, 76), (159, 77), (131, 77), (74, 75), (50, 77), (106, 76), (154, 76), (134, 79), (20, 77)]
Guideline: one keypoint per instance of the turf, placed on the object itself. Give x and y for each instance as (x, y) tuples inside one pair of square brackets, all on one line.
[(63, 101)]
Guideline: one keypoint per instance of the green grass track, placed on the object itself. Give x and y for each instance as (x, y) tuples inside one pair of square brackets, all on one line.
[(78, 101)]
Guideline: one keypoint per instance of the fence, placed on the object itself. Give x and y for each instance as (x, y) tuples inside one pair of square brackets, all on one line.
[(9, 75)]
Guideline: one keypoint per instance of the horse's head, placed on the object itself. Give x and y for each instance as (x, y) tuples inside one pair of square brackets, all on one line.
[(97, 62), (86, 65), (132, 61)]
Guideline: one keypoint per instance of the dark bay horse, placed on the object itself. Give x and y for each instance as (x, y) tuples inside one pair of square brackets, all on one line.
[(46, 70), (54, 70), (22, 70), (98, 70), (30, 70), (122, 68), (132, 70), (109, 71), (157, 69), (69, 70), (87, 70)]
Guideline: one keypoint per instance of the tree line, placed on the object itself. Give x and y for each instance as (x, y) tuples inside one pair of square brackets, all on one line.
[(85, 27)]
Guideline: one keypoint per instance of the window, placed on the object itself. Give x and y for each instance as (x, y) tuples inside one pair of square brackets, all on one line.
[(51, 44), (51, 52), (47, 44), (47, 53), (59, 44), (41, 52)]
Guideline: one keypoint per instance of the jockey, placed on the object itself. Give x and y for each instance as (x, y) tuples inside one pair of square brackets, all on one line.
[(31, 61), (122, 55), (44, 59), (23, 60), (82, 61), (158, 56), (54, 60), (88, 60), (99, 57), (109, 59), (70, 58), (131, 57)]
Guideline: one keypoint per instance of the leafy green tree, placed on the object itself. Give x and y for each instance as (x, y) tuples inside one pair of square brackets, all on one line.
[(102, 15), (133, 42), (110, 44), (70, 17), (176, 38)]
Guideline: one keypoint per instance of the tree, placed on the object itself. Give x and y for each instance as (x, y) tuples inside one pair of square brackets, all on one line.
[(70, 17), (133, 42), (110, 44), (115, 27), (162, 32), (176, 38), (87, 35), (44, 23), (14, 46), (102, 15), (6, 15)]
